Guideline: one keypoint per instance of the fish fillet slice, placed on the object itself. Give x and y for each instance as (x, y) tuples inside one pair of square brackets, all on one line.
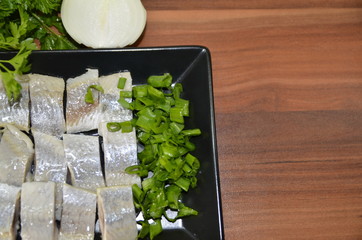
[(79, 214), (116, 213), (83, 160), (37, 211), (120, 152), (9, 210), (16, 114), (50, 164), (16, 156), (112, 111), (82, 116), (46, 95)]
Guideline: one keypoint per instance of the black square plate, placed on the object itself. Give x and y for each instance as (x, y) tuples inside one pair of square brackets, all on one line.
[(190, 65)]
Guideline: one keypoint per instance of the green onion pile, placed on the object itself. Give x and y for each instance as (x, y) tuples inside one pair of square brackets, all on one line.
[(165, 163)]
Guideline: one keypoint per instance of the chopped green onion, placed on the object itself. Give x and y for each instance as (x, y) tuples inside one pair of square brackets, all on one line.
[(169, 150), (145, 230), (121, 82), (192, 132), (143, 137), (192, 161), (140, 91), (186, 211), (137, 169), (137, 193), (145, 123), (89, 95), (148, 184), (165, 106), (183, 183), (147, 112), (163, 81), (184, 105), (97, 87), (183, 150), (113, 126), (173, 193), (176, 115), (177, 90), (165, 164), (155, 94), (158, 204), (137, 105), (124, 103), (176, 128), (155, 228), (146, 101), (186, 168), (190, 146), (125, 94), (193, 181), (125, 126)]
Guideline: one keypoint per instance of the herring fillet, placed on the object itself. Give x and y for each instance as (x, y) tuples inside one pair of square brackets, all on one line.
[(82, 155), (120, 152), (46, 101), (79, 214), (82, 116), (16, 114), (111, 110), (37, 211), (16, 156), (9, 210), (50, 164), (117, 213)]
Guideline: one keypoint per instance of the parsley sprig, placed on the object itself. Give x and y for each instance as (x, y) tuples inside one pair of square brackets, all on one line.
[(23, 23)]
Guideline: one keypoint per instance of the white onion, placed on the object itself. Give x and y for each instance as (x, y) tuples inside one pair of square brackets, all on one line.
[(104, 23)]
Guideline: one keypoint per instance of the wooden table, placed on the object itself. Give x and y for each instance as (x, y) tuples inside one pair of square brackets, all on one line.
[(288, 99)]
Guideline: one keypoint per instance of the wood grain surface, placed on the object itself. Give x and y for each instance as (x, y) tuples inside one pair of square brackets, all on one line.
[(248, 4), (288, 98)]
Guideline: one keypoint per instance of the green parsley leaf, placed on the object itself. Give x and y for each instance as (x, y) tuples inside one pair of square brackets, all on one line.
[(12, 67)]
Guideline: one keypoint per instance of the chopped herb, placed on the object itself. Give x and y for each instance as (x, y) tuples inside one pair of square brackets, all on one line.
[(89, 95), (124, 103), (121, 82), (159, 113), (125, 94), (163, 81), (117, 126)]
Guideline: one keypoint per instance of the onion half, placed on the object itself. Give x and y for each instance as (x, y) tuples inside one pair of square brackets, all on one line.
[(104, 23)]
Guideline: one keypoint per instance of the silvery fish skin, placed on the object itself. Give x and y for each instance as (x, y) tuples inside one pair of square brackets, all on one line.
[(16, 156), (120, 152), (9, 210), (50, 164), (116, 213), (83, 159), (79, 214), (37, 212), (111, 109), (16, 114), (46, 95), (82, 116)]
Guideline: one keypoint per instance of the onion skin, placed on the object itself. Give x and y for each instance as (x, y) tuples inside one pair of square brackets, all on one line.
[(104, 23)]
